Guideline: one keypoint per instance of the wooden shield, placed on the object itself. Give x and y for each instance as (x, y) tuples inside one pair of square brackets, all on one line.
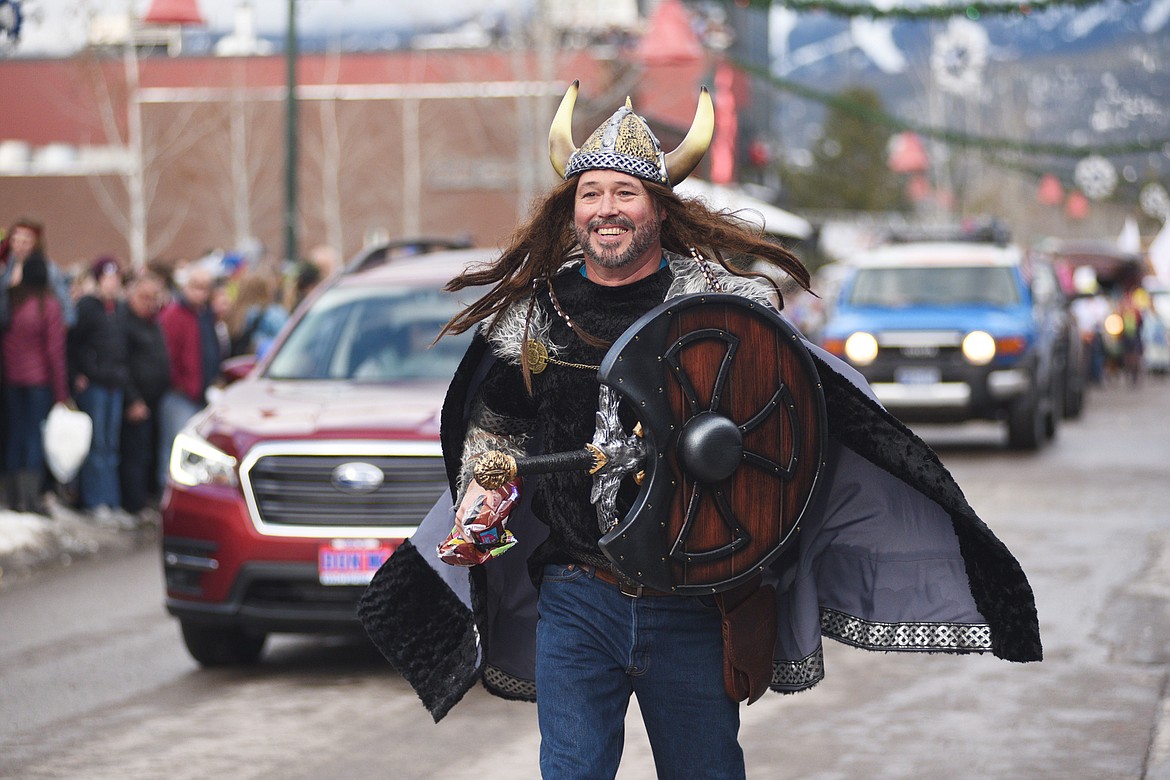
[(733, 418)]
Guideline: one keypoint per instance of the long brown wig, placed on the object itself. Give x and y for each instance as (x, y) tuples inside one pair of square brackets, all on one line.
[(542, 244)]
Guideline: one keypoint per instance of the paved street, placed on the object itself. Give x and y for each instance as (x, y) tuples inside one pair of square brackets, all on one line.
[(94, 681)]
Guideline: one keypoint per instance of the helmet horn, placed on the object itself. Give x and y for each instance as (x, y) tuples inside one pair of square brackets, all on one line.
[(683, 160), (560, 135)]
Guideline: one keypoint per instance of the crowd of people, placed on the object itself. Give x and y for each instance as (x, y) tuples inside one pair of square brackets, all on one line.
[(1123, 326), (136, 349)]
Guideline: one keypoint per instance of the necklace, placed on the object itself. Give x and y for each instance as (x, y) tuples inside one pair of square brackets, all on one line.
[(585, 335), (712, 281), (539, 359), (537, 354)]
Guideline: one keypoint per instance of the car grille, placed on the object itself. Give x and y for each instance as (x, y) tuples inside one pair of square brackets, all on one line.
[(298, 490), (281, 594)]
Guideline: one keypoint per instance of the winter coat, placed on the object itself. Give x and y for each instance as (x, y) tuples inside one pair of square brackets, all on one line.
[(150, 365), (98, 345), (187, 343), (34, 346), (59, 283)]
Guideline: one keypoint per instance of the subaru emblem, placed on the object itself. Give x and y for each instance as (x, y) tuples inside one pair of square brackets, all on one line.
[(357, 477)]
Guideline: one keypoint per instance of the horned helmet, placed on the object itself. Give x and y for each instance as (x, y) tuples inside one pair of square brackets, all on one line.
[(625, 143)]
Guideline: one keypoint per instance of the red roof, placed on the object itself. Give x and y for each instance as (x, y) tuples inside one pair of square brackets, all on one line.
[(669, 38), (674, 65), (173, 12)]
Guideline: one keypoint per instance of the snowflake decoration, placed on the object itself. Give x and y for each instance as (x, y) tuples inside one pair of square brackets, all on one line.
[(1155, 201), (11, 18), (1096, 177), (958, 57)]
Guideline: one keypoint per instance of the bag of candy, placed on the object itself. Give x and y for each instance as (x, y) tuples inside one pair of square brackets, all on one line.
[(481, 526)]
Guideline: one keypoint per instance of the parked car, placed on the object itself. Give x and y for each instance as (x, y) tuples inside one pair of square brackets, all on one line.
[(956, 331), (289, 491)]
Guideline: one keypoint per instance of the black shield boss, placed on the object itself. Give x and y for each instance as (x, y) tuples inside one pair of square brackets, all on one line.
[(733, 420)]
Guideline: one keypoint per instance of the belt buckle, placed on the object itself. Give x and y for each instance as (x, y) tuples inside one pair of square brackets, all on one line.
[(629, 588)]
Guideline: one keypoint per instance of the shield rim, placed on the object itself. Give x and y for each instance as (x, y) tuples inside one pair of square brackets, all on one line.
[(611, 374)]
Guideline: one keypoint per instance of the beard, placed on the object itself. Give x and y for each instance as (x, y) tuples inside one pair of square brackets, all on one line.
[(641, 239)]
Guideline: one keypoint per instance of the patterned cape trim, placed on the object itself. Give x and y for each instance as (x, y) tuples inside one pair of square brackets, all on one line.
[(794, 676), (508, 686), (921, 637)]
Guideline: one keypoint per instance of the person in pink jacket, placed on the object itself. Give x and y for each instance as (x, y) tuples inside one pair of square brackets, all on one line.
[(35, 377)]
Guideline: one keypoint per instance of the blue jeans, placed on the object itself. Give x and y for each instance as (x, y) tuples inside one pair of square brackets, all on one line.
[(138, 469), (100, 484), (27, 407), (595, 647)]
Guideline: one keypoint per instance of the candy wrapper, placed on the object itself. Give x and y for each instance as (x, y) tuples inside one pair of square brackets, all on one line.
[(481, 531)]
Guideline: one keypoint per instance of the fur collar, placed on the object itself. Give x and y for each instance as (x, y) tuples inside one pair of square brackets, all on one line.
[(507, 328)]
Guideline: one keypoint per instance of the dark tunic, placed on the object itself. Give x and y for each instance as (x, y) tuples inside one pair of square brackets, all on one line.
[(564, 401)]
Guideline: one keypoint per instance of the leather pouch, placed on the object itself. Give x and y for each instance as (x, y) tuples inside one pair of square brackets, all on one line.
[(749, 640)]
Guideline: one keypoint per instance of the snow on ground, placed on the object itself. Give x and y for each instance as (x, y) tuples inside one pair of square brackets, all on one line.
[(20, 531), (30, 542)]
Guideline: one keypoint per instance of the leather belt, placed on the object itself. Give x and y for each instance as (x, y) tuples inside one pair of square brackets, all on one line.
[(627, 587)]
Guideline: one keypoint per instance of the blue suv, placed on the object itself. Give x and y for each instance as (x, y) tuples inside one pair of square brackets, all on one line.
[(956, 331)]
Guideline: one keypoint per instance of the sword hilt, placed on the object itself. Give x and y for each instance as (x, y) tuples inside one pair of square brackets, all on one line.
[(495, 468)]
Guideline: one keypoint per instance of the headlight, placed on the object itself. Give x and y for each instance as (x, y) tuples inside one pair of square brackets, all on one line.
[(195, 462), (861, 348), (978, 348)]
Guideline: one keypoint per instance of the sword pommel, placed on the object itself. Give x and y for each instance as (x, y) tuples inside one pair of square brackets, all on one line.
[(494, 469)]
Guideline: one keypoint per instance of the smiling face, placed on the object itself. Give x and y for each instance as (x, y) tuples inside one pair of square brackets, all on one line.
[(618, 225)]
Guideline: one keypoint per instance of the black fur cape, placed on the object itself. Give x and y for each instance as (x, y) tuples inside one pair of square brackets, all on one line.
[(895, 559)]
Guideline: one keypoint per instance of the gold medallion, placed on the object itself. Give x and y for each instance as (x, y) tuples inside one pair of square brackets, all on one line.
[(537, 356)]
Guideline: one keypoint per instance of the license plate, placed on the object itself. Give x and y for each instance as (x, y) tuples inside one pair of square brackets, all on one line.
[(352, 561), (917, 375)]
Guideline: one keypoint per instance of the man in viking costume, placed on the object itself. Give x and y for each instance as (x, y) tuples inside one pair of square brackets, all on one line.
[(830, 518)]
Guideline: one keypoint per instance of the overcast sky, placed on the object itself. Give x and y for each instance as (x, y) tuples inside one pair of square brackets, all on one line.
[(58, 26)]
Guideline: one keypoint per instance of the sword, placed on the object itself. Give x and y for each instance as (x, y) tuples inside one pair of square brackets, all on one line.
[(609, 457)]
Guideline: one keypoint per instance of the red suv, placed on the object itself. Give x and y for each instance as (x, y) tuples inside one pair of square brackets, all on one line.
[(285, 495)]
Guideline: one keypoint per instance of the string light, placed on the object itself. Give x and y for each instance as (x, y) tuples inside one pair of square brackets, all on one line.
[(973, 11), (950, 136)]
